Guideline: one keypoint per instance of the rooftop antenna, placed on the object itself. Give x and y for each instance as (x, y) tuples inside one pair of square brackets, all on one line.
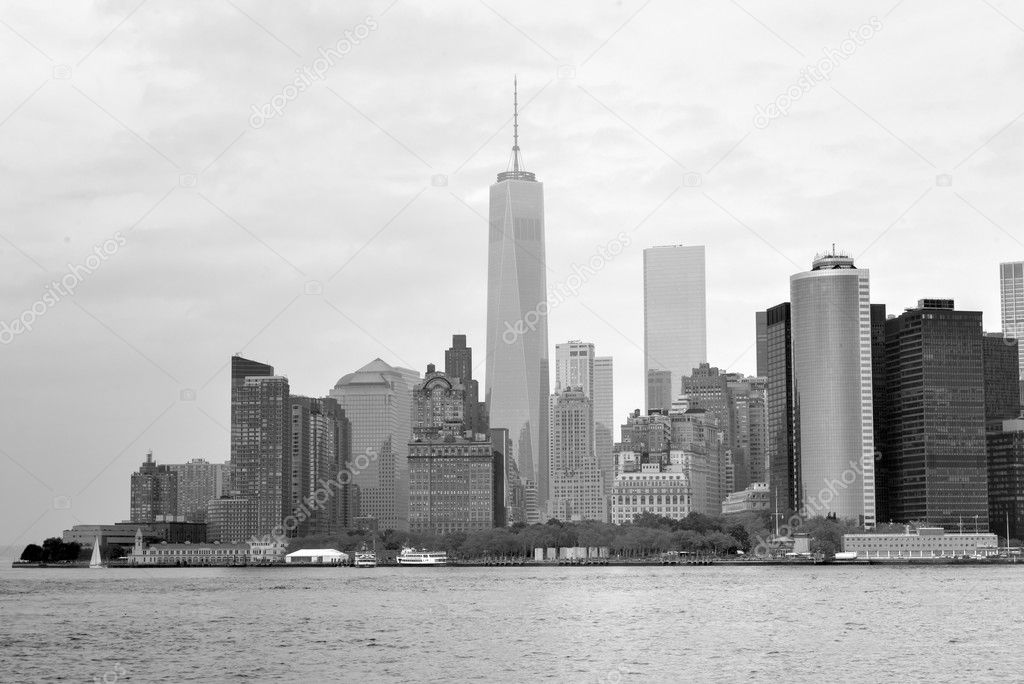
[(515, 123)]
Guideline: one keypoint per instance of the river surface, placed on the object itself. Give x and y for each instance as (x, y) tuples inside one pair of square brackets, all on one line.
[(564, 624)]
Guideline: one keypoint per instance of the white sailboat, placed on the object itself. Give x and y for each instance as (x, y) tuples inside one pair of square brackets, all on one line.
[(96, 561)]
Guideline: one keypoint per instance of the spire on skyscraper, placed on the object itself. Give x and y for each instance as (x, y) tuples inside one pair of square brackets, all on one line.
[(516, 171)]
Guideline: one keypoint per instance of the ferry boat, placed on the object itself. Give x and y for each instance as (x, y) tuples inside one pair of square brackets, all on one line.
[(422, 557), (365, 559)]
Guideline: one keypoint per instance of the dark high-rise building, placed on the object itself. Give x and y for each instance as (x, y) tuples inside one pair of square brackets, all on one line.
[(317, 495), (458, 359), (458, 363), (1004, 436), (260, 444), (517, 325), (935, 416), (783, 463), (1002, 375), (154, 492), (882, 497)]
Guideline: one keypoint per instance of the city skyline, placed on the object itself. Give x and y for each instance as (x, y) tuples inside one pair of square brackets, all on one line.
[(209, 238)]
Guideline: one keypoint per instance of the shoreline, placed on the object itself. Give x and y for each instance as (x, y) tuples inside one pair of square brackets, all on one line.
[(533, 564)]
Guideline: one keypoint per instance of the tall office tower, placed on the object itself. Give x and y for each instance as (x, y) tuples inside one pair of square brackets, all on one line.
[(1004, 435), (750, 429), (240, 370), (783, 464), (319, 453), (377, 400), (1011, 291), (709, 389), (1002, 376), (574, 366), (577, 486), (517, 326), (154, 492), (675, 313), (883, 498), (458, 363), (515, 488), (761, 342), (935, 416), (659, 390), (604, 415), (831, 330), (199, 483), (260, 444)]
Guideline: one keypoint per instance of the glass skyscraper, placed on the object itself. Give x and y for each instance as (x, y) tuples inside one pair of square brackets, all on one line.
[(675, 314), (604, 415), (518, 380), (1011, 291), (377, 400), (935, 417), (832, 385)]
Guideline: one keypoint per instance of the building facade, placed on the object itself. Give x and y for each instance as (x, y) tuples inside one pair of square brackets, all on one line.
[(458, 363), (659, 390), (260, 443), (317, 493), (517, 329), (456, 484), (924, 542), (675, 312), (199, 483), (230, 519), (577, 484), (377, 401), (783, 464), (1011, 291), (936, 470), (654, 489), (154, 491), (604, 416), (832, 385), (754, 498)]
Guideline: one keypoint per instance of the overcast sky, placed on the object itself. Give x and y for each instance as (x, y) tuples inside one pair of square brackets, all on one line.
[(135, 169)]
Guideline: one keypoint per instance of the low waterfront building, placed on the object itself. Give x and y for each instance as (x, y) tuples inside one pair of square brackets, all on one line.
[(924, 542), (215, 554), (317, 557), (753, 498), (123, 533)]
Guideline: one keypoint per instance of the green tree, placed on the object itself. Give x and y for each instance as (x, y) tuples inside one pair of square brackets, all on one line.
[(33, 553)]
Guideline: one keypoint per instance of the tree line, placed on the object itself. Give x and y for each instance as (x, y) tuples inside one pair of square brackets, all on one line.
[(647, 535)]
